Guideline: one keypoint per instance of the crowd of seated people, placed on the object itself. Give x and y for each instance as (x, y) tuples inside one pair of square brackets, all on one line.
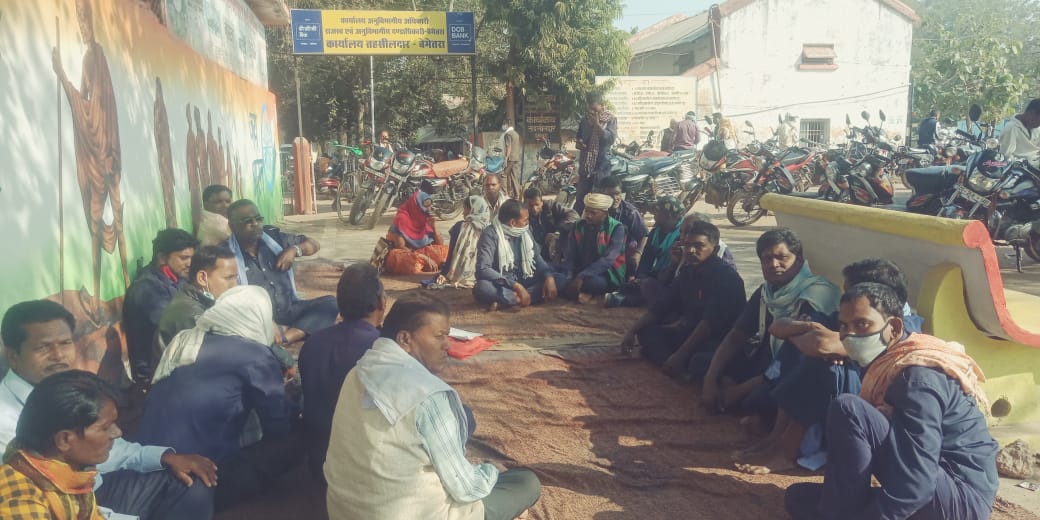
[(835, 378)]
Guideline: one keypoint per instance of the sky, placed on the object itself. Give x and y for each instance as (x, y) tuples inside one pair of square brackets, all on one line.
[(645, 13)]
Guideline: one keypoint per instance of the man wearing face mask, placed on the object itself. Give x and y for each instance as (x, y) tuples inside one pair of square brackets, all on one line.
[(213, 271), (917, 425), (510, 267), (396, 419), (707, 293)]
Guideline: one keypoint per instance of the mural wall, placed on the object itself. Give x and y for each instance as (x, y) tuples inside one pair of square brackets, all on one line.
[(111, 126)]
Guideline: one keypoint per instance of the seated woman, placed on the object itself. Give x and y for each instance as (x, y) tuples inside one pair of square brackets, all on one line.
[(66, 428), (460, 269), (416, 245)]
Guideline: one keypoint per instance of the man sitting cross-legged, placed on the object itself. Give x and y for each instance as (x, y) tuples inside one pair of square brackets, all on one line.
[(38, 342), (265, 259), (595, 253), (708, 296), (510, 267), (493, 193), (646, 284), (329, 354), (210, 381), (550, 222), (915, 425), (395, 420)]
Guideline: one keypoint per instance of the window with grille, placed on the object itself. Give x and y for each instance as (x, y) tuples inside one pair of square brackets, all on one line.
[(815, 130)]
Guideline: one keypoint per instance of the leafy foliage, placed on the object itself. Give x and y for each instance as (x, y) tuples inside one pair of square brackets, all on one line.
[(974, 52)]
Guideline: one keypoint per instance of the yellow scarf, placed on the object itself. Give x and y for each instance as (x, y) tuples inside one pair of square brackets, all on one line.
[(69, 493)]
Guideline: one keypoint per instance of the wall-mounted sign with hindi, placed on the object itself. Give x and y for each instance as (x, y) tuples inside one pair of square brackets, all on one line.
[(382, 32)]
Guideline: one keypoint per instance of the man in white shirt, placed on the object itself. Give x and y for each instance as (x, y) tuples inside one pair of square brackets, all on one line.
[(37, 338), (1019, 140), (395, 419)]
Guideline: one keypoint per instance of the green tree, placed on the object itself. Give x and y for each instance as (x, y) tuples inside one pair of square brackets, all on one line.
[(973, 52)]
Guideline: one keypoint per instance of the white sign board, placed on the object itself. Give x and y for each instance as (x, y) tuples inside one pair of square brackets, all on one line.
[(645, 103)]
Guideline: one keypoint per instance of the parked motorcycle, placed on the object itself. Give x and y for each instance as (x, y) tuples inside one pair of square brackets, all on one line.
[(864, 183), (744, 207), (407, 171), (375, 170), (451, 182), (644, 181), (555, 173)]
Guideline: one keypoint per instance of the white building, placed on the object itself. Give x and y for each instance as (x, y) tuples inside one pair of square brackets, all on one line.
[(816, 59)]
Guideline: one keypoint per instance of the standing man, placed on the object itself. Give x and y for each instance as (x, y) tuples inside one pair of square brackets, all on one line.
[(399, 434), (148, 296), (99, 162), (549, 221), (38, 342), (926, 132), (916, 425), (1018, 140), (514, 148), (596, 134), (265, 258), (668, 136), (687, 135)]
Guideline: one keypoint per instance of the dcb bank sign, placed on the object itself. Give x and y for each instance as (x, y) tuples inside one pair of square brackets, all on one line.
[(317, 31)]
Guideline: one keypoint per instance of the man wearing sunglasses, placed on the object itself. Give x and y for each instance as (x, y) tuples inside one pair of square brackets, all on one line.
[(265, 258)]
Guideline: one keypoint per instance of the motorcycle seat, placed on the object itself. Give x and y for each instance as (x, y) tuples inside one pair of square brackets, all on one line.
[(933, 179), (918, 151), (448, 168), (793, 158)]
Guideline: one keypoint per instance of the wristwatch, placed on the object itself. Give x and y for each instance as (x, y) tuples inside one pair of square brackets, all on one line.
[(299, 252)]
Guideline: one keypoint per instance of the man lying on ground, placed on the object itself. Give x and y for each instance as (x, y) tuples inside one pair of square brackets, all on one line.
[(708, 296), (210, 381), (510, 268), (915, 425), (38, 342), (329, 354), (265, 258), (150, 293), (647, 282), (595, 255), (395, 419)]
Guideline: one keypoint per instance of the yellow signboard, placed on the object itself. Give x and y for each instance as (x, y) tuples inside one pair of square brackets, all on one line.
[(382, 32)]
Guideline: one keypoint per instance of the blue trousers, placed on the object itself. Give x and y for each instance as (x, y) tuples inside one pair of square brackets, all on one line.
[(486, 292), (313, 315), (857, 436), (155, 495)]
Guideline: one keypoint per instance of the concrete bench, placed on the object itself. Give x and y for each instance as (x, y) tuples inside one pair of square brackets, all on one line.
[(955, 284)]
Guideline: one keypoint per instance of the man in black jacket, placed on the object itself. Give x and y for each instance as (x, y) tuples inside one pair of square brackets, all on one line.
[(926, 132), (549, 222)]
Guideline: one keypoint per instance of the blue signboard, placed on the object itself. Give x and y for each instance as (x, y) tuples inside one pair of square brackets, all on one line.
[(306, 31), (461, 37)]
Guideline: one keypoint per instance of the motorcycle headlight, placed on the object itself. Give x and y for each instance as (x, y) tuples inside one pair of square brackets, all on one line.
[(980, 183), (376, 164), (992, 143), (400, 168)]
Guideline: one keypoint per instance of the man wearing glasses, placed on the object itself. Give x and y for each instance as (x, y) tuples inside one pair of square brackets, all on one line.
[(265, 258)]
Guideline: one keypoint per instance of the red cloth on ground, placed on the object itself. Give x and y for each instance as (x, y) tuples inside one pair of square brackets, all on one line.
[(464, 349), (411, 220)]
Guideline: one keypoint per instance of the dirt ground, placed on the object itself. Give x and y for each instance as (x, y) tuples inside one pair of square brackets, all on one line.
[(609, 436)]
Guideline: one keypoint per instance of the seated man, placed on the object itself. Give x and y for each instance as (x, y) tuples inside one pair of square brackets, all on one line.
[(629, 216), (550, 221), (595, 253), (510, 267), (65, 430), (329, 354), (915, 425), (493, 193), (38, 342), (724, 251), (208, 383), (213, 222), (395, 419), (648, 281), (751, 371), (265, 258), (148, 295), (213, 271), (707, 293)]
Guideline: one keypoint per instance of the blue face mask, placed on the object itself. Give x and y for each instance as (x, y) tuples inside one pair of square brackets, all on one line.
[(865, 349)]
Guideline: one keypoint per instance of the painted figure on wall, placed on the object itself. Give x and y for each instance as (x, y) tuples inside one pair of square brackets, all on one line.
[(229, 170), (212, 150), (218, 159), (98, 156), (162, 148), (194, 179), (201, 154)]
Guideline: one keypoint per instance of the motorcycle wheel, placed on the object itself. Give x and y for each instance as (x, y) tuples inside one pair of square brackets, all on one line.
[(744, 208), (453, 211), (358, 208), (377, 209), (1033, 247), (337, 204), (692, 197)]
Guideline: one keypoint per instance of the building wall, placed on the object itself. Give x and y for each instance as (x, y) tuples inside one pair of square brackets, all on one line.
[(225, 31), (671, 61), (761, 46), (48, 193)]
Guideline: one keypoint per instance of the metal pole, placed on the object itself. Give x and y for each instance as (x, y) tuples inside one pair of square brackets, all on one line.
[(299, 103), (473, 94), (372, 95)]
